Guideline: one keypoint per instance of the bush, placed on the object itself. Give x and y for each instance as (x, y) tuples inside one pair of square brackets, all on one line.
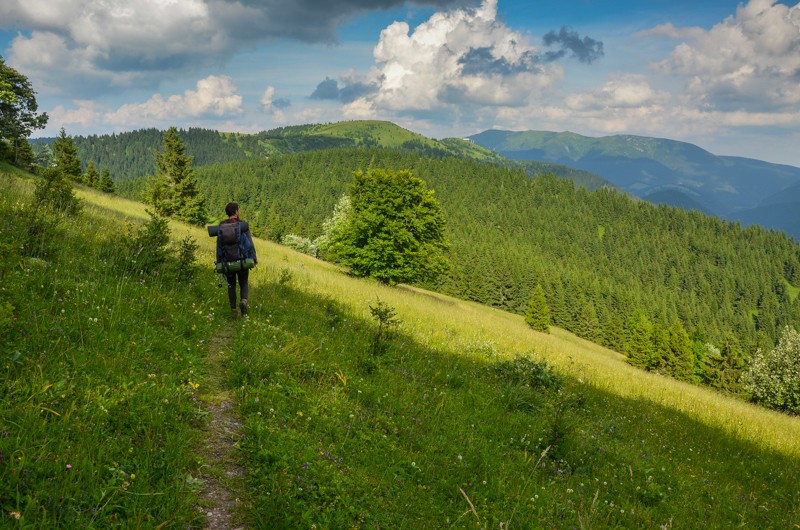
[(300, 244), (528, 372), (773, 377), (55, 192)]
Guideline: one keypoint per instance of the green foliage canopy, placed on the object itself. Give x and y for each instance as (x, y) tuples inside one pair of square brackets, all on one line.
[(18, 107), (773, 377), (396, 229)]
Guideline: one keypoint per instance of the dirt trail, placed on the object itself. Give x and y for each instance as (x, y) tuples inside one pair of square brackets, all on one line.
[(222, 474)]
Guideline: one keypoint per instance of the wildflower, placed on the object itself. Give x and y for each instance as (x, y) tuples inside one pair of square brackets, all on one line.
[(69, 466)]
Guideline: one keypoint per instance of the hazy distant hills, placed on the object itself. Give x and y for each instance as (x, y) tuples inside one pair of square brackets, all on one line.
[(668, 172)]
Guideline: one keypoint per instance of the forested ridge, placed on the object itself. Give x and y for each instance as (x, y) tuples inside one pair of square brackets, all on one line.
[(612, 267), (131, 155)]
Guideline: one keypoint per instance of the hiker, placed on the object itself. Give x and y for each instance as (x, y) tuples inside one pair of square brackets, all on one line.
[(235, 244)]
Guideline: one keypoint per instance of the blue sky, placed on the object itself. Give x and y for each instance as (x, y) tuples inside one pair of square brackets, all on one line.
[(721, 74)]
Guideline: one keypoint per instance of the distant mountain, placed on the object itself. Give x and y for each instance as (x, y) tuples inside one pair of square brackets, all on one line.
[(663, 171), (132, 154)]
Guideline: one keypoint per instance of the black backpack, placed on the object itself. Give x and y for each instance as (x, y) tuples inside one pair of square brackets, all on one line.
[(229, 234)]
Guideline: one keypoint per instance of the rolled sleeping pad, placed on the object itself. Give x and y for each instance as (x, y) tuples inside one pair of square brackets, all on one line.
[(213, 230)]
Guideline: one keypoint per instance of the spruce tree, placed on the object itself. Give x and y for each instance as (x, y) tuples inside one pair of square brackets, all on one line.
[(639, 346), (92, 178), (538, 314), (173, 190), (106, 183), (67, 161)]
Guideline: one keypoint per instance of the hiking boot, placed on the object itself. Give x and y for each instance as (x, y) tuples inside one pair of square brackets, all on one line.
[(234, 312), (243, 307)]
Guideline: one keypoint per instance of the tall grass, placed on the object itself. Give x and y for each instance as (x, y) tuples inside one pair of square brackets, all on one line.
[(463, 417), (428, 436), (98, 408)]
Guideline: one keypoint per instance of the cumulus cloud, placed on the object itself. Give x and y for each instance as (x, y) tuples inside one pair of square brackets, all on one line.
[(214, 96), (461, 57), (749, 61), (118, 42)]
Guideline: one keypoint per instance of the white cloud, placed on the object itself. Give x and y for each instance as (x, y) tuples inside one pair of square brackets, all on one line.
[(464, 56), (214, 96), (141, 42), (748, 61), (267, 98)]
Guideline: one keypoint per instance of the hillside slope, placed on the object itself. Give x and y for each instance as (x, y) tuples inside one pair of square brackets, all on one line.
[(455, 423), (643, 166)]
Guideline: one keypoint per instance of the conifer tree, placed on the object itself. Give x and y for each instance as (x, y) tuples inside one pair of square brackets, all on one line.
[(92, 178), (682, 359), (173, 190), (106, 183), (589, 325), (67, 161), (639, 346), (538, 314)]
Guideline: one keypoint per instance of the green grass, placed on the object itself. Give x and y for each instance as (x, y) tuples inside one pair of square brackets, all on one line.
[(435, 432)]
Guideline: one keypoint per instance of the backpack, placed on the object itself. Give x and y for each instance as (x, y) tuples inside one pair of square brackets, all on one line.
[(229, 234)]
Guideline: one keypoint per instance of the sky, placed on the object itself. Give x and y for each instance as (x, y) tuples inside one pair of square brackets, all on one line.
[(721, 74)]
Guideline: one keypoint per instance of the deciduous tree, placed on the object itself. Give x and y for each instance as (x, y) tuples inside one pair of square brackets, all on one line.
[(395, 231), (18, 108)]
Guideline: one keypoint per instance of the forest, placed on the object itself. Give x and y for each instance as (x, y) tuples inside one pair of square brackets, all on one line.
[(704, 292)]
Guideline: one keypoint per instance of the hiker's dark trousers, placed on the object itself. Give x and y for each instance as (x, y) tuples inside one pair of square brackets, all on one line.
[(231, 277)]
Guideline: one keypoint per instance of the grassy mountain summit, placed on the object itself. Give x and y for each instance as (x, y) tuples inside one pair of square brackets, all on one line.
[(463, 418)]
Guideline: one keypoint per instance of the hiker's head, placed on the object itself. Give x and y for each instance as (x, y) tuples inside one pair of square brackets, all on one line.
[(231, 208)]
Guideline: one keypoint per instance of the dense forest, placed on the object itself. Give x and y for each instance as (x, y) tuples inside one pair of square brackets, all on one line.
[(132, 154), (611, 267)]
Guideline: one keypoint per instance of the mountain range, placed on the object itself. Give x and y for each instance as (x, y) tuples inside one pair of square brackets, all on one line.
[(666, 171)]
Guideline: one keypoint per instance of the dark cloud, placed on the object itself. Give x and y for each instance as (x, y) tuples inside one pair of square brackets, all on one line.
[(328, 89), (586, 50), (352, 92), (480, 61), (281, 103), (306, 20)]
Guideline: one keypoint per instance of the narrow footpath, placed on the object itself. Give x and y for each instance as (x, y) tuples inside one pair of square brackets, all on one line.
[(221, 475)]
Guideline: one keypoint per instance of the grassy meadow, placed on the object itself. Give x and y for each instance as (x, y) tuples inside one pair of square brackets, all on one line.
[(361, 406)]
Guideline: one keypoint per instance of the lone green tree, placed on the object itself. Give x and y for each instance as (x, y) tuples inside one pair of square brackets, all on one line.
[(537, 315), (173, 191), (395, 230), (67, 161), (18, 109)]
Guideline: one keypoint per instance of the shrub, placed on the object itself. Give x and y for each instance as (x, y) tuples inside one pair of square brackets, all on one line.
[(529, 372), (773, 377), (300, 244)]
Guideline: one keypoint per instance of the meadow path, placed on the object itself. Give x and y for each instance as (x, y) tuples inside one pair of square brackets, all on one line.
[(222, 474)]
